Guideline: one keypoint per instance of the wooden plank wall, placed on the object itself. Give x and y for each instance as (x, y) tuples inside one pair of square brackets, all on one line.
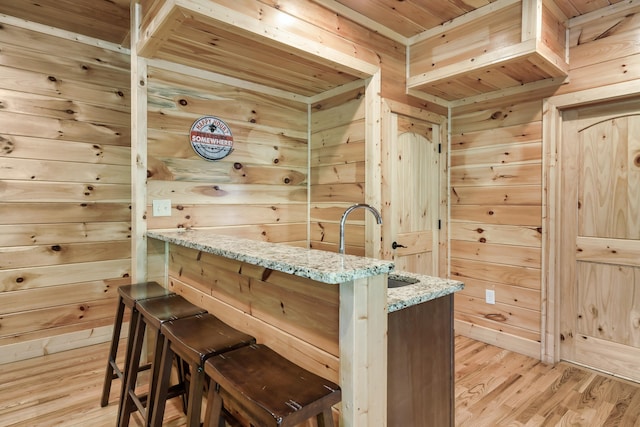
[(337, 170), (64, 191), (294, 315), (497, 185), (259, 191), (496, 220)]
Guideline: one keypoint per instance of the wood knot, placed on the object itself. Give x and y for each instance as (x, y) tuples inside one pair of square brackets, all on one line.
[(498, 317), (265, 275), (6, 145)]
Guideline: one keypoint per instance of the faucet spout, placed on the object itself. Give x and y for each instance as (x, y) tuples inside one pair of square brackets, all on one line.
[(343, 220)]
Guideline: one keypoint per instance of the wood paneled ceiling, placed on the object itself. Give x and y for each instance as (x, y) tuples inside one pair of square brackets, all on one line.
[(108, 19), (100, 19), (204, 35), (411, 17)]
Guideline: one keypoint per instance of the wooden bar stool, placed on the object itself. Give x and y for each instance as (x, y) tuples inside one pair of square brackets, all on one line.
[(128, 295), (194, 340), (272, 390), (152, 313)]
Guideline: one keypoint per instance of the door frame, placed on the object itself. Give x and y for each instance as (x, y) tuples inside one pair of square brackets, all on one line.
[(388, 108), (552, 124)]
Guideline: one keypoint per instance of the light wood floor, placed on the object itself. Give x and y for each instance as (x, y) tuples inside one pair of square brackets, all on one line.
[(494, 387)]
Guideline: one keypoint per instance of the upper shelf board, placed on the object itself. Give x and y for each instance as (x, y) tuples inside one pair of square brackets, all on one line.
[(507, 44), (223, 38)]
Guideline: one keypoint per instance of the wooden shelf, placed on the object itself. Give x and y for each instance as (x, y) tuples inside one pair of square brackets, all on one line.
[(260, 46), (507, 45)]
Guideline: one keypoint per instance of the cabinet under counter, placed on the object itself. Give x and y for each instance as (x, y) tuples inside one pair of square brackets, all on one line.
[(420, 383)]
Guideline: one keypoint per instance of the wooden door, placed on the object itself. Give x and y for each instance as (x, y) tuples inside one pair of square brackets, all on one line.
[(412, 199), (600, 238)]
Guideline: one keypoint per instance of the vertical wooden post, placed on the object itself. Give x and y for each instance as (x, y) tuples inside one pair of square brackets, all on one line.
[(387, 137), (531, 20), (445, 205), (373, 161), (363, 352), (551, 117), (138, 152)]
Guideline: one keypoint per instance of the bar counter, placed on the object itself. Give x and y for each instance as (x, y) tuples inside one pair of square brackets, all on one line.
[(325, 311)]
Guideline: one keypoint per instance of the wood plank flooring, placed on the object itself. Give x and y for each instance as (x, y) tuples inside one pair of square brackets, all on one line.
[(64, 389), (494, 387)]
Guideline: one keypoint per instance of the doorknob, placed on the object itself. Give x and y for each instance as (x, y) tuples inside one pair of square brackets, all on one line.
[(396, 245)]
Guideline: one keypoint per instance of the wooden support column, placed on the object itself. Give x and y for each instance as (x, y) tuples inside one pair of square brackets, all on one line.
[(373, 163), (363, 352), (531, 20), (138, 153)]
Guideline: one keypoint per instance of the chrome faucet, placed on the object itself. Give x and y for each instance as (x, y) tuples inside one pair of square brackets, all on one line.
[(347, 212)]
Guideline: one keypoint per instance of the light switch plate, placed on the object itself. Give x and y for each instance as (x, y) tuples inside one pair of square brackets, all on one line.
[(161, 207), (490, 296)]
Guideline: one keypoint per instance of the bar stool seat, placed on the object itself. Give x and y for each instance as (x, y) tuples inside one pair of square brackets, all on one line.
[(194, 340), (272, 390), (152, 313), (128, 295)]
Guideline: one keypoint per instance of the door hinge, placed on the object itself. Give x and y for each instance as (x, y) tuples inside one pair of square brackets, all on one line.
[(439, 224), (439, 148)]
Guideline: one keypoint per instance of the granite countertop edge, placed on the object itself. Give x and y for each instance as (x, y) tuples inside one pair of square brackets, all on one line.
[(426, 289), (322, 266)]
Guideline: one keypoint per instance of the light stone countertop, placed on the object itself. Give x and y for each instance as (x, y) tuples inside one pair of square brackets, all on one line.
[(427, 289), (322, 266)]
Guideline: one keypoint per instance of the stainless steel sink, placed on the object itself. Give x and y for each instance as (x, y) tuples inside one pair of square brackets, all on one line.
[(400, 281)]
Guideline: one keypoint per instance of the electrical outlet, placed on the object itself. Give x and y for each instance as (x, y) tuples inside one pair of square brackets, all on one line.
[(161, 207), (490, 296)]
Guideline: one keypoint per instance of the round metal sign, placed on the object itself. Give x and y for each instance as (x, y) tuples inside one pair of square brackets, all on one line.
[(211, 138)]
